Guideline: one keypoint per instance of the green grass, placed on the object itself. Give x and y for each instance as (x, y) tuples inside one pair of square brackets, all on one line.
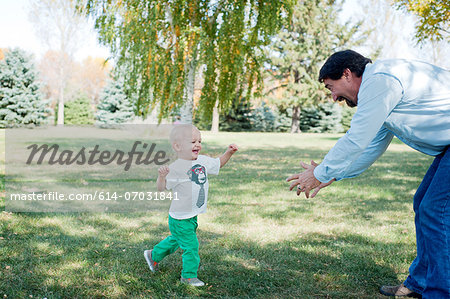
[(258, 240)]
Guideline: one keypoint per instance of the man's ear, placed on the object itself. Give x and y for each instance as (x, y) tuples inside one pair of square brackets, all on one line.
[(347, 74)]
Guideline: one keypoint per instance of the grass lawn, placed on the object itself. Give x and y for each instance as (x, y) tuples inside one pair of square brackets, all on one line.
[(258, 240)]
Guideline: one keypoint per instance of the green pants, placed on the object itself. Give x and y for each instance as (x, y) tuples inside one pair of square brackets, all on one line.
[(183, 236)]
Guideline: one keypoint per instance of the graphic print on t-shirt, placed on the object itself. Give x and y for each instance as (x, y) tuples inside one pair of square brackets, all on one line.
[(197, 174)]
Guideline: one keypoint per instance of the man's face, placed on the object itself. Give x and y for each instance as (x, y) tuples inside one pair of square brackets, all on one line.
[(344, 89)]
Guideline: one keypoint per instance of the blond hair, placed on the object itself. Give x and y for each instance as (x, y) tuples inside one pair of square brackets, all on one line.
[(181, 130)]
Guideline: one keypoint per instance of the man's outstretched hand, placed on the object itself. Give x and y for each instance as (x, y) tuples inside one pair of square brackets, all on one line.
[(306, 181)]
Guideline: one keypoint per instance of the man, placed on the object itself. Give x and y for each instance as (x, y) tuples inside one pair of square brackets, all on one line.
[(410, 100)]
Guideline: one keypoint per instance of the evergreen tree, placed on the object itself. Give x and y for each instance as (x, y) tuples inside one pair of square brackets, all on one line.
[(310, 120), (284, 119), (347, 115), (114, 106), (21, 101), (263, 119), (331, 116), (299, 50), (237, 118), (323, 118), (78, 111)]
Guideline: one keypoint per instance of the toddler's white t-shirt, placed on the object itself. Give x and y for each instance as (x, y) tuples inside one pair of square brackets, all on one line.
[(189, 180)]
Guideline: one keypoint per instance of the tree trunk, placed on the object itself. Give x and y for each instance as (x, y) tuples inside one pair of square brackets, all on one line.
[(60, 121), (215, 118), (61, 111), (189, 88), (295, 125)]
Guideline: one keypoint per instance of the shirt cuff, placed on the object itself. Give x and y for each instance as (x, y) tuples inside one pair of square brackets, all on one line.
[(320, 174)]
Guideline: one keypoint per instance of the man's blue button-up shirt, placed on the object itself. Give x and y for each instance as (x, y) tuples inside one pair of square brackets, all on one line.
[(408, 99)]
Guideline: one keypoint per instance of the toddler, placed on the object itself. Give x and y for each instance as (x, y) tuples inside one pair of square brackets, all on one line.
[(188, 178)]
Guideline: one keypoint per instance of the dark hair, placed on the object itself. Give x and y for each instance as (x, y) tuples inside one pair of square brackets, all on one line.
[(336, 64)]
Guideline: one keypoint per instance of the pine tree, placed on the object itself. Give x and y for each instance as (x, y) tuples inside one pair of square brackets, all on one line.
[(331, 116), (347, 115), (298, 52), (322, 118), (114, 106), (237, 118), (21, 102), (263, 119)]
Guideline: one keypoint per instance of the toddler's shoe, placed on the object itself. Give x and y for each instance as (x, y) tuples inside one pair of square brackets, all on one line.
[(192, 281), (151, 263)]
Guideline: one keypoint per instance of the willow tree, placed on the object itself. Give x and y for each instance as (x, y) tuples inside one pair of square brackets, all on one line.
[(162, 44), (433, 18)]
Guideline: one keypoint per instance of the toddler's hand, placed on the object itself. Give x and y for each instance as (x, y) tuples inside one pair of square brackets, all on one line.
[(232, 148), (163, 171)]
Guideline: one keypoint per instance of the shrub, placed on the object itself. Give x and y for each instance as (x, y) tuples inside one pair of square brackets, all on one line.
[(78, 111)]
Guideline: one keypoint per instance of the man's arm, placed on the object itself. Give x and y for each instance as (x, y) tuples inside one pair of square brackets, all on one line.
[(232, 148), (364, 142), (376, 100), (376, 148), (307, 180)]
